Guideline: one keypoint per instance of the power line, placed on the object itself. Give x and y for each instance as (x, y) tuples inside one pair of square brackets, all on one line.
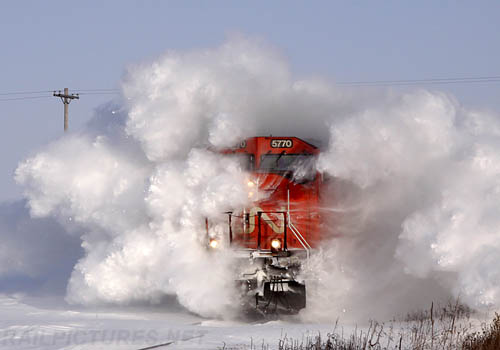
[(37, 97), (402, 82), (23, 98), (98, 93), (432, 81), (91, 90), (25, 92)]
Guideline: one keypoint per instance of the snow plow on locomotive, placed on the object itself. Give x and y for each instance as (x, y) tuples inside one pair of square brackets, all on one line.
[(273, 238)]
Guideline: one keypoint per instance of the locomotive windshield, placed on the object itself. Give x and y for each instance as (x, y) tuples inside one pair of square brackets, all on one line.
[(300, 166)]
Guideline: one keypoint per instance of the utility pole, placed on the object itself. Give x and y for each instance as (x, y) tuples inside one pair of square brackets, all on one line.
[(66, 99)]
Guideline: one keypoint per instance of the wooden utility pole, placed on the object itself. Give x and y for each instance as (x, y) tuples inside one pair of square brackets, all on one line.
[(66, 99)]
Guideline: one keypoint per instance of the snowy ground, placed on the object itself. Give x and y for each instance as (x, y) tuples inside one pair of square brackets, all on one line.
[(49, 323)]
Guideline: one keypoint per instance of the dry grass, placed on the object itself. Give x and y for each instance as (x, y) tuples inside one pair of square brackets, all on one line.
[(445, 328), (438, 328), (487, 339)]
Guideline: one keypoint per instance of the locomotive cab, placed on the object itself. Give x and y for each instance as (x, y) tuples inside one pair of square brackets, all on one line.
[(275, 234)]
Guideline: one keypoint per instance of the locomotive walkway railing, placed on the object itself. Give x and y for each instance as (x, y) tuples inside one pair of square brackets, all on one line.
[(295, 231), (287, 224)]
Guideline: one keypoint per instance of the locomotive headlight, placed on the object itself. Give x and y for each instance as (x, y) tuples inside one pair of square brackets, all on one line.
[(276, 244), (253, 189), (213, 243)]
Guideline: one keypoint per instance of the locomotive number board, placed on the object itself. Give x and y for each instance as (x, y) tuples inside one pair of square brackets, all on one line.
[(281, 143)]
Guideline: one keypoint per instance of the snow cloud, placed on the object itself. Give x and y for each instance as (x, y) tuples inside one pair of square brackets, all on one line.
[(412, 199)]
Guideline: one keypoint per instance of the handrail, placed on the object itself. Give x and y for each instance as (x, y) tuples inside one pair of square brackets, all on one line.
[(301, 239), (294, 230), (292, 226), (287, 223)]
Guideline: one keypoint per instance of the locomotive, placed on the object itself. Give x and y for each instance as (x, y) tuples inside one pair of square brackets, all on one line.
[(273, 238)]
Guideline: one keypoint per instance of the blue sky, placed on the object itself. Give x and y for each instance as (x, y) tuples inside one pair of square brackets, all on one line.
[(84, 45)]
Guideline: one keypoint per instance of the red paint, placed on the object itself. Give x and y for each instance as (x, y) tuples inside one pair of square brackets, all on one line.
[(270, 191)]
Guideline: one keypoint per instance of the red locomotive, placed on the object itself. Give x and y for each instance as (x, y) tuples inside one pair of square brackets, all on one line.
[(275, 235)]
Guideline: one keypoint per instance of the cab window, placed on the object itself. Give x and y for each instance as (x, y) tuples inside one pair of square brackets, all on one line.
[(245, 160), (299, 166)]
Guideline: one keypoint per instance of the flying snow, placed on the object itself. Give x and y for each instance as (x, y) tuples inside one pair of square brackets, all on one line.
[(411, 212)]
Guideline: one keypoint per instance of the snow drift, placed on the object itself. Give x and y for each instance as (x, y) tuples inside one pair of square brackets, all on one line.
[(415, 195)]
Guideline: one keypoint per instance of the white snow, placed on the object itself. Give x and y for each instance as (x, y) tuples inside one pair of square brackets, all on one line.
[(49, 323)]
